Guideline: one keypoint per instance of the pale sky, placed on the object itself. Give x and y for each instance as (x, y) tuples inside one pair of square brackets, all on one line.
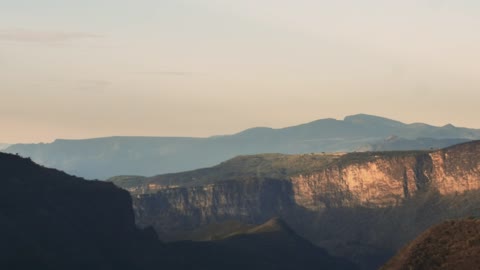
[(91, 68)]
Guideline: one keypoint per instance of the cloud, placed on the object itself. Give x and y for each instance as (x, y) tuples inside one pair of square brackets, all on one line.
[(25, 35)]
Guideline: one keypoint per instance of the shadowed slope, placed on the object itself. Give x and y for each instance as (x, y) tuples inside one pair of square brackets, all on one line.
[(49, 219), (450, 245), (272, 245)]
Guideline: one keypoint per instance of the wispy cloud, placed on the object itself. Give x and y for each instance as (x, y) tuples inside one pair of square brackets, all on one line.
[(26, 35)]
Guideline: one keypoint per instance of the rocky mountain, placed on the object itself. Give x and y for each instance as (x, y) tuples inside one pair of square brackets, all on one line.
[(363, 206), (102, 158), (454, 244), (51, 220)]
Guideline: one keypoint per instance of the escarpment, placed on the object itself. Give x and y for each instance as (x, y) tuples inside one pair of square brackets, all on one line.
[(349, 180), (189, 207), (380, 182), (254, 188)]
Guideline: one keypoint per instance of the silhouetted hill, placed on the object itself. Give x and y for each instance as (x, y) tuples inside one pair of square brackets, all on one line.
[(450, 245), (50, 220), (106, 157)]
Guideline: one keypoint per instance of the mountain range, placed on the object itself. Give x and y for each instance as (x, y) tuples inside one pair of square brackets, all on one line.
[(362, 206), (101, 158)]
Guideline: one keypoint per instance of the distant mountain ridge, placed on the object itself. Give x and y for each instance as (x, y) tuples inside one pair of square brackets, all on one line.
[(102, 158)]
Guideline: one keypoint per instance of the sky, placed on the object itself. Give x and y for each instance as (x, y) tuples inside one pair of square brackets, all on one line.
[(94, 68)]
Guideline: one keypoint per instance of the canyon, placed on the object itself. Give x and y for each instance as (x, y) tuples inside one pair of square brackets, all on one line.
[(363, 206)]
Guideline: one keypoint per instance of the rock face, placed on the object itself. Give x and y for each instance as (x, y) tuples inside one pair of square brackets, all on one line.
[(450, 245), (252, 200), (387, 180), (346, 196)]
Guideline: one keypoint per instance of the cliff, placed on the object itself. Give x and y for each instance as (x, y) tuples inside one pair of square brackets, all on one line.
[(338, 201)]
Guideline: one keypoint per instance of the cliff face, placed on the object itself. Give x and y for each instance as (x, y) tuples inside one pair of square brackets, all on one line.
[(389, 180), (253, 201), (376, 180), (383, 181), (456, 169), (336, 200)]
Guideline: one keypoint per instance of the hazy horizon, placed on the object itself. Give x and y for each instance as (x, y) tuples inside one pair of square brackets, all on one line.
[(100, 68)]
